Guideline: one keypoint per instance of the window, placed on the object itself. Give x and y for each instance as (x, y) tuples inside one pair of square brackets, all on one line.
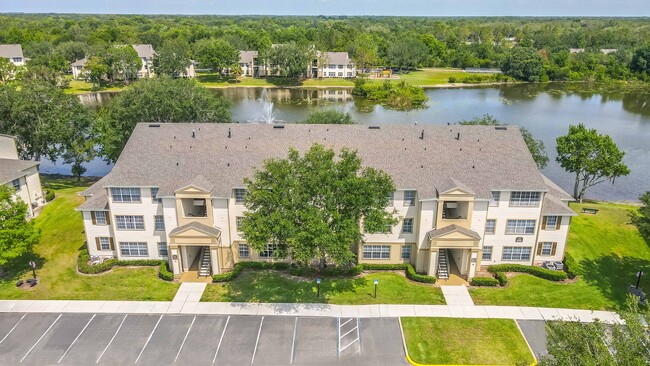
[(17, 59), (409, 198), (487, 254), (105, 243), (133, 249), (332, 66), (268, 252), (490, 226), (160, 222), (523, 227), (524, 199), (244, 251), (239, 195), (16, 184), (129, 222), (496, 196), (340, 74), (125, 194), (546, 248), (100, 217), (391, 198), (154, 196), (389, 229), (162, 249), (406, 252), (332, 74), (551, 223), (376, 252), (407, 226), (516, 254), (340, 66), (349, 66), (349, 74), (238, 221)]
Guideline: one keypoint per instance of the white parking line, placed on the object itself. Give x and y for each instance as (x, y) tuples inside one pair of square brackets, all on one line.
[(359, 334), (43, 335), (111, 341), (184, 339), (346, 322), (220, 340), (75, 340), (293, 342), (12, 329), (259, 331), (338, 336), (148, 339)]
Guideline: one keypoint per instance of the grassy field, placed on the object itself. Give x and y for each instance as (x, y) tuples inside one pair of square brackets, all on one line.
[(61, 238), (465, 341), (271, 286), (609, 252)]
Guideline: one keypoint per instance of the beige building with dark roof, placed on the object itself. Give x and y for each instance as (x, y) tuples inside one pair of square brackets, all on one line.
[(466, 195), (20, 175)]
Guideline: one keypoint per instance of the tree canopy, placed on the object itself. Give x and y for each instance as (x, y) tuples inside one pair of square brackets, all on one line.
[(172, 58), (523, 63), (592, 157), (641, 218), (161, 99), (290, 60), (331, 116), (216, 54), (17, 235), (312, 207), (536, 147)]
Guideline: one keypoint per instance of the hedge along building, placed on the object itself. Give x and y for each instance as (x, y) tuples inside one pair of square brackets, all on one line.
[(466, 195)]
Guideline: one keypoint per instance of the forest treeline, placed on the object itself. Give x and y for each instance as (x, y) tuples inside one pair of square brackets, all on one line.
[(604, 48)]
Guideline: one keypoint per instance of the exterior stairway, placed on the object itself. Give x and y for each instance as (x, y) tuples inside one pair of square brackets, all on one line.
[(205, 264), (443, 266)]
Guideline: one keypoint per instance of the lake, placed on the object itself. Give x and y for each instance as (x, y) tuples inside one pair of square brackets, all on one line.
[(545, 110)]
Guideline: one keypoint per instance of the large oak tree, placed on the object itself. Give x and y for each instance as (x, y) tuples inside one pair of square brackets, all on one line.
[(313, 206)]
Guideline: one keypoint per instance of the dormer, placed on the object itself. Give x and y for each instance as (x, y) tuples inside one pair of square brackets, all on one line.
[(455, 207)]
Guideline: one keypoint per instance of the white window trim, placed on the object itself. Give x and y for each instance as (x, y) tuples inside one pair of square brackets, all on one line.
[(520, 254), (376, 251), (518, 226)]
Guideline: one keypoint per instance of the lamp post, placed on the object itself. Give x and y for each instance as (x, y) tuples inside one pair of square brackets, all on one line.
[(318, 284), (376, 283), (638, 279), (33, 265)]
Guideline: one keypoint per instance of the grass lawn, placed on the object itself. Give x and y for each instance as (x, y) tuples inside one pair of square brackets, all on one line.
[(271, 286), (465, 341), (82, 86), (430, 77), (609, 252), (61, 238)]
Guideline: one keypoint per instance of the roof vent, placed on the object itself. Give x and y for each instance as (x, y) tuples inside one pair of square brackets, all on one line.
[(193, 134), (278, 126), (374, 127), (229, 133), (422, 135), (457, 136), (154, 125), (500, 128)]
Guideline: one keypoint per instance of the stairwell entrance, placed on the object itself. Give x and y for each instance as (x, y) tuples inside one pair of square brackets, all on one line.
[(196, 263)]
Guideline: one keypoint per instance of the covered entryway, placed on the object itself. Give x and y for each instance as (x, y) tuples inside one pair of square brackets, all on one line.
[(194, 252), (453, 253)]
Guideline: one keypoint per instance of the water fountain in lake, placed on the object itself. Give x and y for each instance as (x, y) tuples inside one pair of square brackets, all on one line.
[(266, 113)]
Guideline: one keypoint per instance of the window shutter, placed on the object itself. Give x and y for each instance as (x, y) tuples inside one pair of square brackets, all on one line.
[(111, 243), (92, 217), (544, 219), (99, 247), (558, 221), (540, 246), (554, 248)]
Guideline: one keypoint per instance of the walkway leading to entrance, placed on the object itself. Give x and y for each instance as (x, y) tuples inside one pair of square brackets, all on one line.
[(457, 295), (188, 292)]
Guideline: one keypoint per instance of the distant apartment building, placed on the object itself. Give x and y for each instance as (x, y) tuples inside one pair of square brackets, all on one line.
[(77, 68), (14, 53), (20, 175), (335, 65), (466, 196)]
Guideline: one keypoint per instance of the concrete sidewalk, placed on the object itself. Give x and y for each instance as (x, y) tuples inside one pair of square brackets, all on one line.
[(457, 295), (314, 310)]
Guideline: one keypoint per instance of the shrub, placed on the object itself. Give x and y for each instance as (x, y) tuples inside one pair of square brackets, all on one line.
[(502, 278), (49, 195), (164, 273), (540, 272), (484, 281), (452, 79), (385, 267), (570, 266), (84, 267), (414, 276)]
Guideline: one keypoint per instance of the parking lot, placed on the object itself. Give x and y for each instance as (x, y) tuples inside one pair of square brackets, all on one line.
[(120, 339)]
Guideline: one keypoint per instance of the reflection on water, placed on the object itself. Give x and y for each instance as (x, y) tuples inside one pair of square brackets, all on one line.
[(546, 110)]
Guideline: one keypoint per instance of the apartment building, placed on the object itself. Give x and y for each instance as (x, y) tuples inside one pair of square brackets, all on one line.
[(21, 175), (14, 53), (336, 65), (467, 196)]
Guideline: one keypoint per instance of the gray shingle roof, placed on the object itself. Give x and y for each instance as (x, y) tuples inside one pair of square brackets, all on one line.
[(81, 62), (144, 50), (198, 226), (436, 233), (96, 202), (11, 169), (338, 58), (246, 57), (483, 158), (553, 206), (11, 50)]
